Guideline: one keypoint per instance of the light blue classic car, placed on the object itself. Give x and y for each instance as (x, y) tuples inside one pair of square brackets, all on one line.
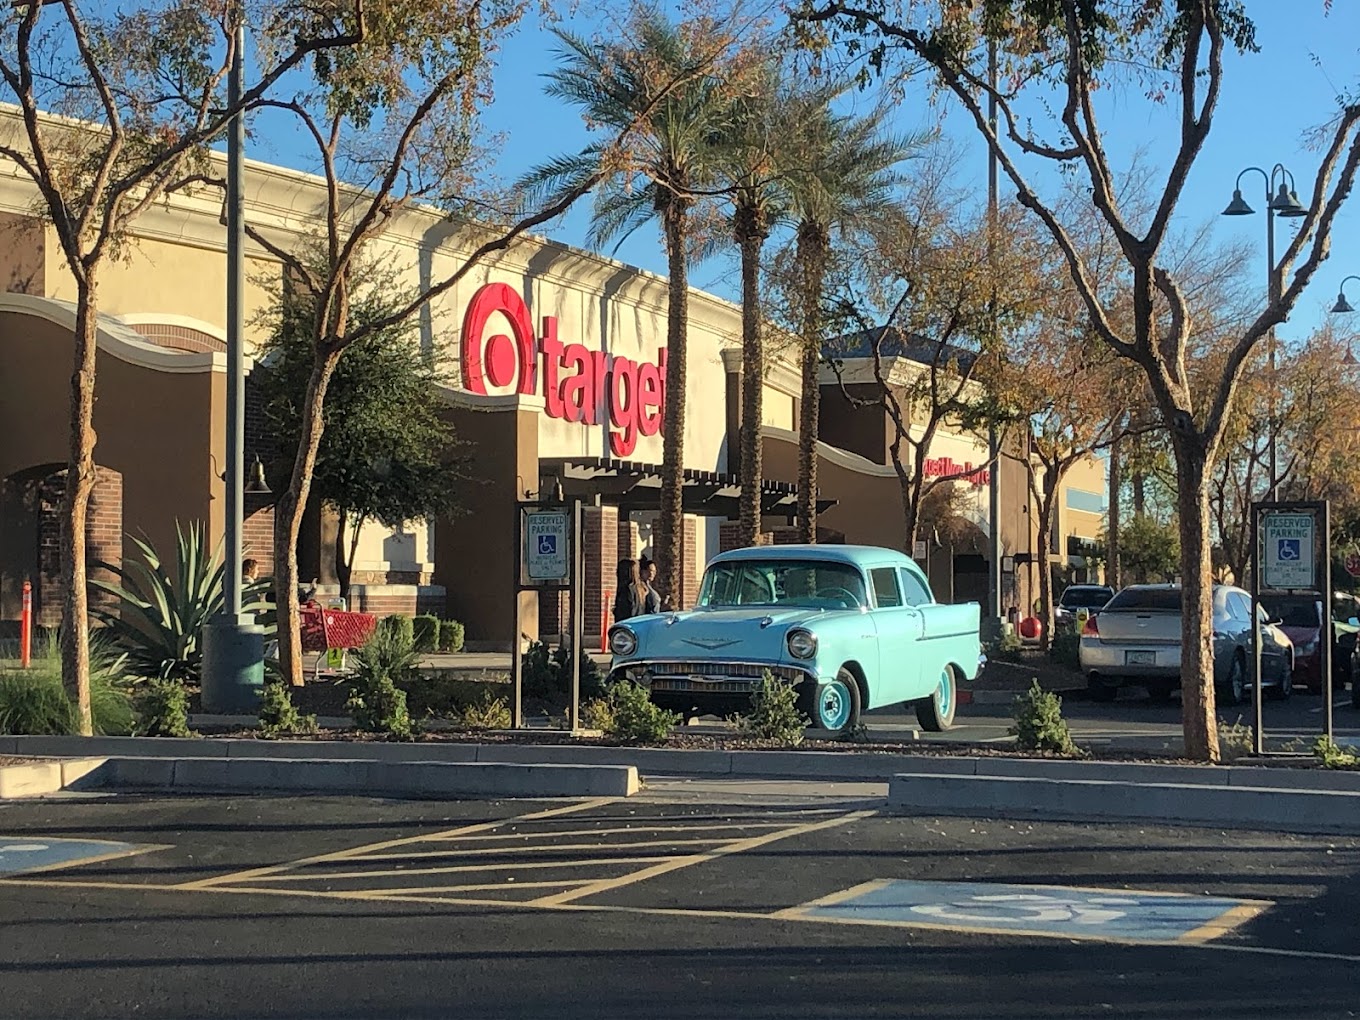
[(855, 627)]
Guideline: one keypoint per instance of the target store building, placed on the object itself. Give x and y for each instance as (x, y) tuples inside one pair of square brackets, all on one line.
[(560, 359)]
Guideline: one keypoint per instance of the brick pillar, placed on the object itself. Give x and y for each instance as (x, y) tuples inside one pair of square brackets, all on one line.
[(780, 536), (600, 537), (690, 555), (629, 544), (103, 541), (258, 534)]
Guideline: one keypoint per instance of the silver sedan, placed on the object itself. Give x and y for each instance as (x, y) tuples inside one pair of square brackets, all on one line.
[(1136, 641)]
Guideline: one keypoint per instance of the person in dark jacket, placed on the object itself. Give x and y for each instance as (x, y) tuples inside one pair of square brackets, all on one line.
[(631, 595), (648, 570)]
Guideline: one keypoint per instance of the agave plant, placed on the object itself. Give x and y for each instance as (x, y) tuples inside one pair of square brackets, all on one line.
[(159, 618)]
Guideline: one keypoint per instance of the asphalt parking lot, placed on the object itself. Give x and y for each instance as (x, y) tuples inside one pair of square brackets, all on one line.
[(698, 898)]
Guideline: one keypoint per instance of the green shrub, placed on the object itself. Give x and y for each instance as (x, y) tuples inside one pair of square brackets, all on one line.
[(486, 712), (1039, 725), (636, 719), (1066, 648), (1333, 756), (597, 714), (163, 710), (1235, 741), (377, 704), (425, 631), (33, 700), (774, 713), (450, 636), (279, 717), (159, 616), (402, 626), (446, 697), (547, 674), (1007, 648)]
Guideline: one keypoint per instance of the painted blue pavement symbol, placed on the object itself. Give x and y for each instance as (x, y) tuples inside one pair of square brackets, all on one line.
[(38, 853), (1115, 914)]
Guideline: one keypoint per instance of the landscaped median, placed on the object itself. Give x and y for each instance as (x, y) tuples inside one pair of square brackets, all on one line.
[(1258, 796)]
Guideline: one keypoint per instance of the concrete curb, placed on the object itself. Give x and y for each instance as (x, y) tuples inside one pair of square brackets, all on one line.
[(363, 777), (793, 764), (36, 779), (1234, 807)]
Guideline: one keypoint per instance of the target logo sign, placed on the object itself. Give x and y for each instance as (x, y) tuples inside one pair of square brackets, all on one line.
[(577, 383)]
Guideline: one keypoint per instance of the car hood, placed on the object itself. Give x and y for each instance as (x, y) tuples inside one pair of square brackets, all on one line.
[(1301, 635), (726, 634)]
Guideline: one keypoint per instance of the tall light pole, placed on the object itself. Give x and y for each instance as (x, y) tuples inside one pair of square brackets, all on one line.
[(233, 645), (994, 597), (1284, 202)]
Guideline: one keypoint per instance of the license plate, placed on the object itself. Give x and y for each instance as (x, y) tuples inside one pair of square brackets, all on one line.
[(1140, 658)]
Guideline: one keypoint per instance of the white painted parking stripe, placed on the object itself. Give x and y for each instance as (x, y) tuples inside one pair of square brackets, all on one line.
[(483, 851), (326, 876)]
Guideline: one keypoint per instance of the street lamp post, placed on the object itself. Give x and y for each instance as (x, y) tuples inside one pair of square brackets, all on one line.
[(1284, 202), (233, 644)]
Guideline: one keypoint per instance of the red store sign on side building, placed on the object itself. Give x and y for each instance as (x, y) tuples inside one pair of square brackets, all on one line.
[(577, 384)]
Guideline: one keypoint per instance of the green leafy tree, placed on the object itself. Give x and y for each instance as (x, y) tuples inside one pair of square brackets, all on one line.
[(139, 93), (1150, 550), (1061, 53), (386, 450)]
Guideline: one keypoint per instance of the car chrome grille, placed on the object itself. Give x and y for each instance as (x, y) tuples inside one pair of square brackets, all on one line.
[(716, 677)]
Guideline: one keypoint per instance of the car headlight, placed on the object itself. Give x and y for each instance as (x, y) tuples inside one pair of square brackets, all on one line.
[(622, 641), (802, 644)]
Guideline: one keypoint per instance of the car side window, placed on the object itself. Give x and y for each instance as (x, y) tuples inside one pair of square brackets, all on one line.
[(1238, 608), (886, 592), (915, 591)]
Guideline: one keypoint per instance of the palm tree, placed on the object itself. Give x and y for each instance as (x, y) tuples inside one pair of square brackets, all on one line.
[(660, 89), (845, 184), (752, 154)]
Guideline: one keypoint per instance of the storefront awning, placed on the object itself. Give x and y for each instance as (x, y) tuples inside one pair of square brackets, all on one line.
[(633, 485)]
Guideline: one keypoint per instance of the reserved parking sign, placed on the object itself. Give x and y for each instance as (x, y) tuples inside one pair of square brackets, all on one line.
[(1287, 550)]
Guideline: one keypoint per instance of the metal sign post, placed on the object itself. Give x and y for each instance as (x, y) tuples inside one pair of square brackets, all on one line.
[(1291, 546), (548, 558)]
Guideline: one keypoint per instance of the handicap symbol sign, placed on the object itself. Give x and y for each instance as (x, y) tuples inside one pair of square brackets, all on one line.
[(1291, 550), (547, 545), (22, 853), (1058, 911)]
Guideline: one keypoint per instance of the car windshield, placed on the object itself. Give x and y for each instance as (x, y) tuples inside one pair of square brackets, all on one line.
[(1163, 600), (1085, 598), (1292, 610), (809, 584)]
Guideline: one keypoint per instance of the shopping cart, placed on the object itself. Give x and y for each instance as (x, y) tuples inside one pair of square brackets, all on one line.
[(331, 633)]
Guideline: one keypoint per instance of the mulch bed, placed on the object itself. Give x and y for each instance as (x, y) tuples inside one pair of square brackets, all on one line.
[(714, 742)]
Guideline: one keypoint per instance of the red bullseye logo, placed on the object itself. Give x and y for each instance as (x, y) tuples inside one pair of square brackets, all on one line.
[(578, 384), (500, 358)]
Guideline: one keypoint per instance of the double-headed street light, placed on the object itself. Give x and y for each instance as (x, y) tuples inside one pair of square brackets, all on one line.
[(1282, 202), (1342, 306)]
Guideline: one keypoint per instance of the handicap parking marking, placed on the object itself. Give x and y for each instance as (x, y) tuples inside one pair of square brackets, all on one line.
[(27, 854), (1111, 915)]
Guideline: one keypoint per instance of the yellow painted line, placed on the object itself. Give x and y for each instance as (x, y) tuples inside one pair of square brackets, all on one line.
[(112, 855), (634, 829), (1227, 921), (662, 868), (252, 873), (326, 876), (402, 891), (831, 899), (483, 851)]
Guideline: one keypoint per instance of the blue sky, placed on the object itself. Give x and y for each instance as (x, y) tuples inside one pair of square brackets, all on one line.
[(1270, 100)]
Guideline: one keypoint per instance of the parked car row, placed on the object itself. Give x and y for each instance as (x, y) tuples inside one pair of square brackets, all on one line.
[(1135, 640)]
